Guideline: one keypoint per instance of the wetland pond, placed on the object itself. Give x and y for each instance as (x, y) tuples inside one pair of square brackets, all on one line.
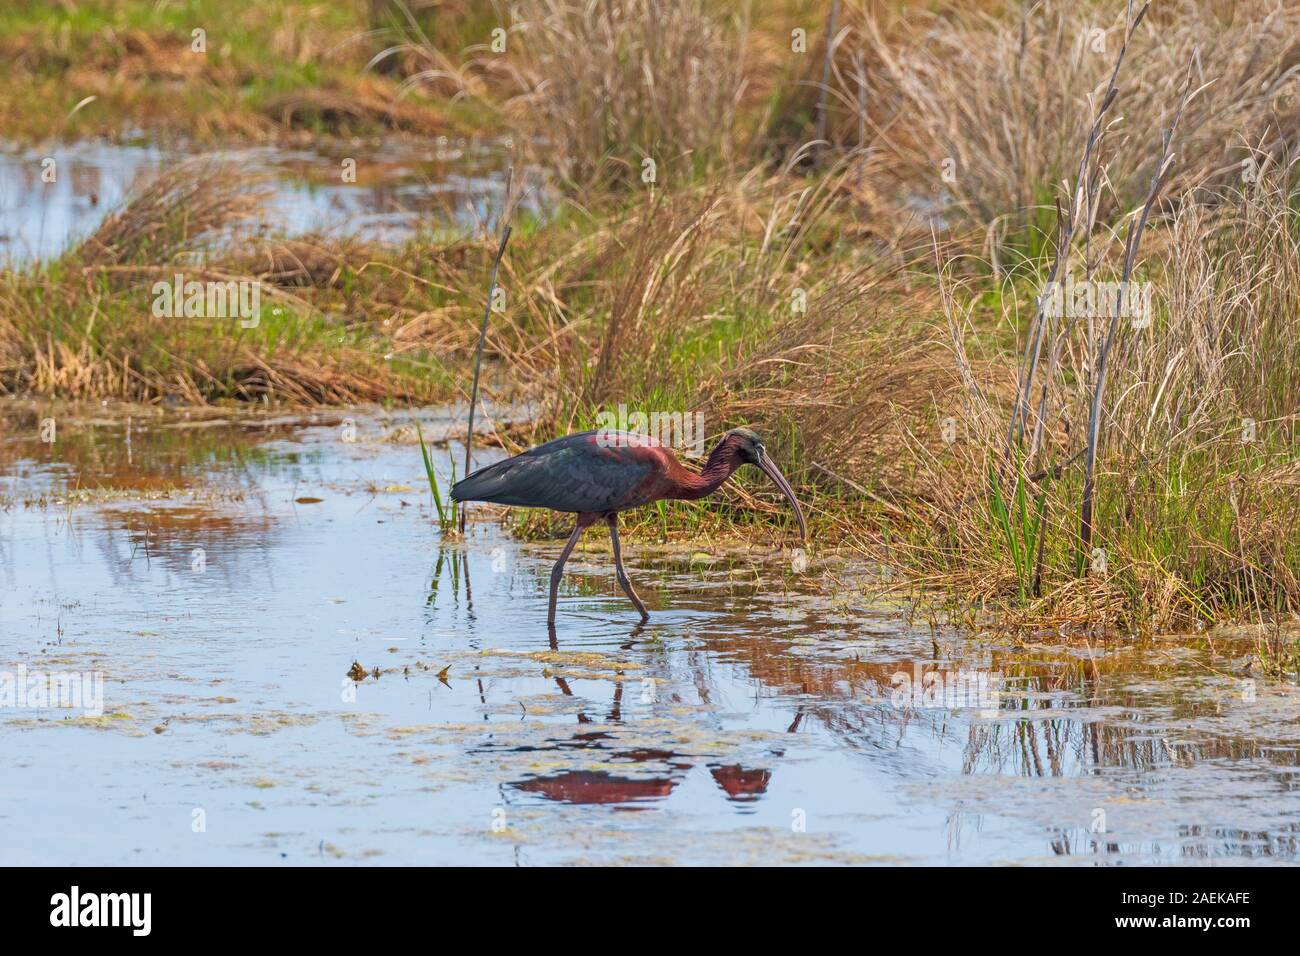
[(448, 185), (222, 576)]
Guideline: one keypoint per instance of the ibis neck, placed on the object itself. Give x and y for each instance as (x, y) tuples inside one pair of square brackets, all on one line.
[(722, 462)]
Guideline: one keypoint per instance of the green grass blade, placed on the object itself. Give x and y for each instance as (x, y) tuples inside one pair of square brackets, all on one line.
[(432, 476)]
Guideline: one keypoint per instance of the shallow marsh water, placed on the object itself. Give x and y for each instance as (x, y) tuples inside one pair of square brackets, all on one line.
[(398, 189), (754, 720)]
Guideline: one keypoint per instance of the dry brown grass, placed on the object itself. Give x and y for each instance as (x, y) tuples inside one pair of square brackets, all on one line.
[(680, 295), (1013, 117), (599, 88), (1196, 464), (300, 262), (362, 103), (186, 206), (84, 326), (613, 84)]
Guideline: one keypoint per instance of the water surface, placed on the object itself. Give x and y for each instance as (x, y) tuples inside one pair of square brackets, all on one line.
[(756, 719), (394, 189)]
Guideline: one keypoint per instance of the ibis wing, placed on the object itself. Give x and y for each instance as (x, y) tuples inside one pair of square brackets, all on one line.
[(574, 473)]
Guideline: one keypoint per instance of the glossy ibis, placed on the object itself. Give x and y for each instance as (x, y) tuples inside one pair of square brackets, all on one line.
[(597, 474)]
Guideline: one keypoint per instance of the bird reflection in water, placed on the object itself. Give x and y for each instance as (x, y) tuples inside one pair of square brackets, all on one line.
[(741, 784)]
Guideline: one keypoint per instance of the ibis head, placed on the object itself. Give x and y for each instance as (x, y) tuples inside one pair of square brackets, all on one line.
[(749, 448)]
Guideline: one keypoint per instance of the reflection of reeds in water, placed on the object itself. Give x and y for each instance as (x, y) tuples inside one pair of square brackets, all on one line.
[(1231, 842), (852, 698), (1069, 747), (451, 569), (141, 454), (1192, 843), (170, 537)]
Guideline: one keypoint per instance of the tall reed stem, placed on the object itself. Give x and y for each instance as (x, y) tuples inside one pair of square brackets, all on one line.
[(1132, 240), (482, 332)]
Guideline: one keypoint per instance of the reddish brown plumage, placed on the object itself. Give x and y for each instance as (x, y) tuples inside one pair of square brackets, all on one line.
[(599, 472)]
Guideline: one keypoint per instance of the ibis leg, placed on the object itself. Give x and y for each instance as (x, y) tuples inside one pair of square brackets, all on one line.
[(618, 568), (557, 572)]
